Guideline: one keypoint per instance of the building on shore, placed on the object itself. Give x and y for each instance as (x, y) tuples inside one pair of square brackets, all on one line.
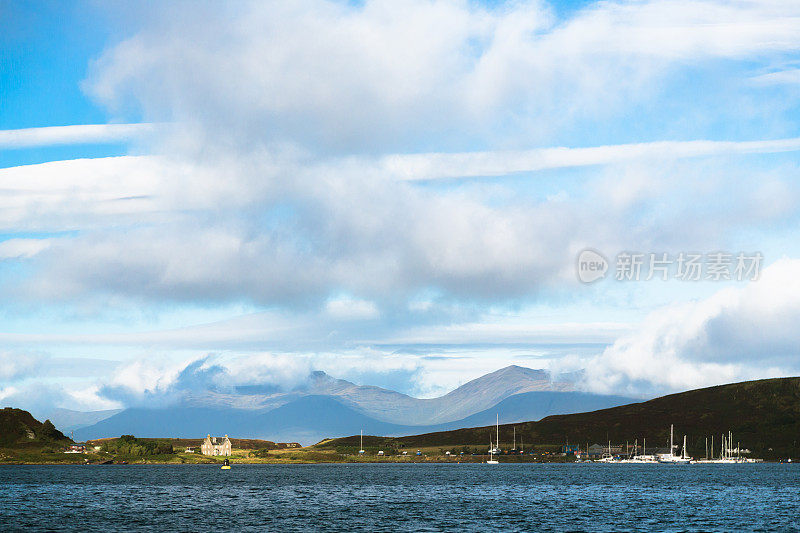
[(210, 446), (597, 451)]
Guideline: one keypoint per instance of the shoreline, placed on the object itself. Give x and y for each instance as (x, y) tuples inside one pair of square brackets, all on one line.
[(433, 461)]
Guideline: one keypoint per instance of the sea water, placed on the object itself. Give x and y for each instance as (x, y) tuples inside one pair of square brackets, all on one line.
[(401, 497)]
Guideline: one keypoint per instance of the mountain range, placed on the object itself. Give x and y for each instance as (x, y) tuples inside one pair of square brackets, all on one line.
[(326, 407), (763, 415)]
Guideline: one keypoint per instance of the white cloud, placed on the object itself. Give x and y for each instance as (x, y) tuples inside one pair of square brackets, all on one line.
[(78, 134), (19, 365), (780, 77), (22, 248), (65, 195), (348, 308), (155, 229), (7, 393), (432, 166), (157, 383), (508, 330), (734, 335), (378, 74), (314, 332), (266, 194), (146, 381), (40, 398)]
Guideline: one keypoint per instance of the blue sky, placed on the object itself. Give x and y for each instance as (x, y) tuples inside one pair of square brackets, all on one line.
[(394, 193)]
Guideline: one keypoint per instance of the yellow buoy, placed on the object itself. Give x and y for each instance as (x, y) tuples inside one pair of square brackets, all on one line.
[(225, 467)]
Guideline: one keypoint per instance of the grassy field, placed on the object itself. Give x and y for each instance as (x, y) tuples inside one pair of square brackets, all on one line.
[(308, 455)]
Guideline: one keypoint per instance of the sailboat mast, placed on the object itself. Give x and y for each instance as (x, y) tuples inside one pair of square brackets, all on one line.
[(498, 432), (514, 446), (671, 446)]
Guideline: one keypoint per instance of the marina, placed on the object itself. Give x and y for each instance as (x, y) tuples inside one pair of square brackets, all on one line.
[(727, 455)]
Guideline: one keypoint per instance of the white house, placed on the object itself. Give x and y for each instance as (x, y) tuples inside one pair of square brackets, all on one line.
[(211, 447)]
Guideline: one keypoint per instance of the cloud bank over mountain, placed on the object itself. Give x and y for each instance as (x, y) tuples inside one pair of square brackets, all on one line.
[(321, 407), (732, 335)]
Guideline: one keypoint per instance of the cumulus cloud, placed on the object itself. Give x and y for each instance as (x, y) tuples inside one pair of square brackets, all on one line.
[(157, 383), (344, 232), (263, 192), (153, 383), (40, 397), (396, 240), (341, 76), (736, 334)]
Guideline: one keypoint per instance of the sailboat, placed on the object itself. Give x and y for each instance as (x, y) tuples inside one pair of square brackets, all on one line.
[(671, 457), (727, 454), (492, 460), (644, 458), (608, 457)]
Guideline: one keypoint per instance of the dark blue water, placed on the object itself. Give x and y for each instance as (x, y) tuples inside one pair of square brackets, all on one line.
[(424, 497)]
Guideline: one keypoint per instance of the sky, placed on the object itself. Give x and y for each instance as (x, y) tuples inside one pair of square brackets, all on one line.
[(397, 193)]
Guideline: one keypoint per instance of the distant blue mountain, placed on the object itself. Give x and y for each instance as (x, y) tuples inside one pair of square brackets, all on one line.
[(530, 406), (312, 418), (68, 420), (306, 420)]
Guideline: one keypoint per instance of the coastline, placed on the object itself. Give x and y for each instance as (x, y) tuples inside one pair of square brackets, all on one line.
[(295, 457)]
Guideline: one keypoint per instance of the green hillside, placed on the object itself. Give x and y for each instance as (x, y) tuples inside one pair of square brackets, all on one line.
[(763, 415), (18, 427)]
